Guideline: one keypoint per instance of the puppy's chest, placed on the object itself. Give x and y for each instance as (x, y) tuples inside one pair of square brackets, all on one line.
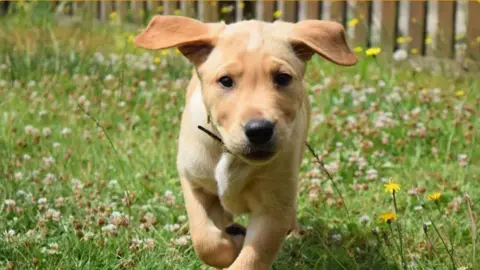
[(231, 176)]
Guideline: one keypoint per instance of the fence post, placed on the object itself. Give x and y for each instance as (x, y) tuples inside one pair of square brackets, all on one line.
[(264, 10), (473, 31), (309, 10), (137, 11), (337, 12), (239, 7), (208, 11), (446, 29), (169, 7), (362, 23), (389, 26), (417, 27), (122, 10), (187, 7), (288, 9), (106, 8)]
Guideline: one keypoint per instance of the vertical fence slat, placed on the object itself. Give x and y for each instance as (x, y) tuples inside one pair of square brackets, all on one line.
[(239, 6), (362, 14), (122, 10), (188, 8), (308, 10), (446, 28), (473, 31), (289, 10), (107, 9), (208, 11), (136, 8), (169, 7), (389, 25), (337, 11), (264, 10), (417, 26)]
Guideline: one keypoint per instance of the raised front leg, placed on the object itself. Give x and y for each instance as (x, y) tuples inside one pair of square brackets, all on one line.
[(265, 235), (216, 241)]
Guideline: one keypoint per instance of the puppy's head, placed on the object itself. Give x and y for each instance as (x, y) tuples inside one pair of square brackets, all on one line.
[(251, 73)]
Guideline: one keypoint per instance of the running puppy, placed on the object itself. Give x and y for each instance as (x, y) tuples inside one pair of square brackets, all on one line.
[(247, 89)]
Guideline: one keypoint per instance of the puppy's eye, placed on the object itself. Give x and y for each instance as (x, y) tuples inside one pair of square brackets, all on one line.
[(282, 79), (226, 82)]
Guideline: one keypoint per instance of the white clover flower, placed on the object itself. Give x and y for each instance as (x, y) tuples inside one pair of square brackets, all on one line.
[(10, 203), (29, 129), (372, 174), (149, 243), (49, 161), (181, 241), (110, 229), (337, 237), (332, 167), (400, 55), (42, 201), (18, 176), (56, 145), (46, 132), (31, 84), (364, 219), (66, 131)]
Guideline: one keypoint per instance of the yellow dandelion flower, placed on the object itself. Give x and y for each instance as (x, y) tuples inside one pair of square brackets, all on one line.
[(401, 40), (428, 40), (388, 216), (226, 9), (459, 93), (241, 5), (164, 52), (131, 38), (277, 14), (177, 12), (157, 60), (459, 36), (414, 51), (434, 196), (373, 51), (177, 51), (159, 9), (353, 22), (414, 20), (113, 16), (358, 49), (392, 187), (477, 39)]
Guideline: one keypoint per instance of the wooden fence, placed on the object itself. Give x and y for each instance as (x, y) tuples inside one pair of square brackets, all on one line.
[(356, 16)]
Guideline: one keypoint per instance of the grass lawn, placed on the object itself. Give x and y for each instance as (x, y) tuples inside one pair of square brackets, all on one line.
[(88, 135)]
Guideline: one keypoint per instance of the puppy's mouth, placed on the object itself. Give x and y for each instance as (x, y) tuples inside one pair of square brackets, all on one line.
[(259, 154)]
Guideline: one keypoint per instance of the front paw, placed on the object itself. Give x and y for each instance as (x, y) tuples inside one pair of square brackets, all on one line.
[(237, 233)]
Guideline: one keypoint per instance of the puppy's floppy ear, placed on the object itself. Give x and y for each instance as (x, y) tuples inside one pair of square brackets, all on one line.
[(324, 38), (193, 38)]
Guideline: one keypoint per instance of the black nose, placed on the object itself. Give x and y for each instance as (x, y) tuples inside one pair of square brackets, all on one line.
[(259, 131)]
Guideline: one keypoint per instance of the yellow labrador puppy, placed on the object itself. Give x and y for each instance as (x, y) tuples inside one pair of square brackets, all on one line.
[(247, 89)]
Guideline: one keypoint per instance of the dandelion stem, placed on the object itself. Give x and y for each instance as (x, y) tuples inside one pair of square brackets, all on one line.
[(448, 230), (443, 242), (322, 166), (397, 245), (400, 237), (431, 243)]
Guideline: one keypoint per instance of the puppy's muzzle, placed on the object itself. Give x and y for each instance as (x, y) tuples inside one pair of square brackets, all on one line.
[(261, 139)]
